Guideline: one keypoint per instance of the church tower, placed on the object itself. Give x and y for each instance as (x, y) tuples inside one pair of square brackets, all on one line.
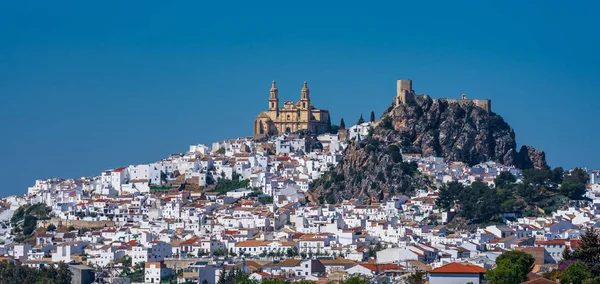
[(274, 98), (305, 97)]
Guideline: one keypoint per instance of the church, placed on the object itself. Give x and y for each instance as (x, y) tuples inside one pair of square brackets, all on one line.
[(292, 117)]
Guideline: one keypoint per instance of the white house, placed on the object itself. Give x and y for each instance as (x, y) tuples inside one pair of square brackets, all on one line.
[(457, 273)]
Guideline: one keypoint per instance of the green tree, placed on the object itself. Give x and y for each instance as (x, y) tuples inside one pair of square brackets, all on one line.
[(511, 267), (589, 250), (29, 224), (372, 118), (557, 175), (219, 252), (274, 281), (361, 120), (342, 124), (566, 254), (51, 228), (355, 280), (572, 190), (448, 194), (504, 179), (416, 278), (577, 175), (575, 273)]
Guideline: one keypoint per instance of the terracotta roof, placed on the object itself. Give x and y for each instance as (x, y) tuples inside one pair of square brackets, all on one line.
[(552, 242), (381, 267), (455, 267), (252, 243), (290, 262)]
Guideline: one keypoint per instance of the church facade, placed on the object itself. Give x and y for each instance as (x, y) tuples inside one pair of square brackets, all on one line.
[(293, 117)]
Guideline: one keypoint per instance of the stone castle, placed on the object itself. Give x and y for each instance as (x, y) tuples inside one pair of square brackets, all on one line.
[(406, 95), (292, 117)]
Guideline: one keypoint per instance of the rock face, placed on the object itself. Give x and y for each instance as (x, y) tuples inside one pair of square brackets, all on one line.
[(373, 167), (529, 157), (458, 132)]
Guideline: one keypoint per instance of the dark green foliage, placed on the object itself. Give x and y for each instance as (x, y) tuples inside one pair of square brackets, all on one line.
[(572, 190), (557, 175), (410, 168), (536, 176), (504, 179), (342, 124), (577, 175), (381, 176), (29, 224), (588, 251), (355, 280), (17, 273), (387, 123), (361, 120), (334, 129), (575, 273), (416, 278), (394, 152), (448, 194), (225, 185), (511, 267), (372, 118), (135, 275), (480, 204), (266, 199), (25, 220)]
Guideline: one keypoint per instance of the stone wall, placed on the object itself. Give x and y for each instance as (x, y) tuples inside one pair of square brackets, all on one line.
[(75, 223), (484, 104)]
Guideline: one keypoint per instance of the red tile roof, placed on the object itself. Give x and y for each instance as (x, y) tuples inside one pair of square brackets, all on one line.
[(381, 267), (552, 242), (455, 267)]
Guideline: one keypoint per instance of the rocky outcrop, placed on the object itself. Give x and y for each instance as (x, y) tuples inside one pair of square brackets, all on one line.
[(457, 131), (529, 157), (371, 170)]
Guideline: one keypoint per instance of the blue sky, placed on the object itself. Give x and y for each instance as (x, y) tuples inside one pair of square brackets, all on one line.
[(87, 86)]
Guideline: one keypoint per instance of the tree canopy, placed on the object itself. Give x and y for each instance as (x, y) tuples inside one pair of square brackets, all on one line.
[(538, 189), (361, 120), (511, 267), (17, 273)]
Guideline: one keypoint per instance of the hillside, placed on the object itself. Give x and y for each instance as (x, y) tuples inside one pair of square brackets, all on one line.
[(373, 168)]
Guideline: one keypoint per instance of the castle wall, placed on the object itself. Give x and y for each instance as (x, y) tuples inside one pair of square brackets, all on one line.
[(484, 104)]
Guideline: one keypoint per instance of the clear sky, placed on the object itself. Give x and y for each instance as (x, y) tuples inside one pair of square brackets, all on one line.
[(93, 85)]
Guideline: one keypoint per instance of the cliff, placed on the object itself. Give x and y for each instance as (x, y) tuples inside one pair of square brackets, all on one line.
[(371, 170), (457, 131)]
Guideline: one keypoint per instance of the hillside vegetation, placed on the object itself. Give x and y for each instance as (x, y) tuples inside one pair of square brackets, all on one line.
[(541, 192)]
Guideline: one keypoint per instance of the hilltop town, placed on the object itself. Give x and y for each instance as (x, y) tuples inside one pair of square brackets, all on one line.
[(246, 205)]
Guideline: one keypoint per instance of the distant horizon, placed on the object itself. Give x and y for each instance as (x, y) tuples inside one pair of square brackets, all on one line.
[(91, 86)]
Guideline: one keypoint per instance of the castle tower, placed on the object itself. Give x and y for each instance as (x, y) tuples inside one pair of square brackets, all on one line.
[(305, 97), (274, 98), (404, 92)]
